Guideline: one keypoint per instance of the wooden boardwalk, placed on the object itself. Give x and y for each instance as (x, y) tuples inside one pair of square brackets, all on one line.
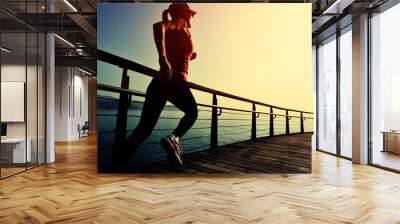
[(279, 154)]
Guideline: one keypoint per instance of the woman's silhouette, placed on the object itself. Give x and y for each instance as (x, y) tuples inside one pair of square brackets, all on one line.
[(175, 50)]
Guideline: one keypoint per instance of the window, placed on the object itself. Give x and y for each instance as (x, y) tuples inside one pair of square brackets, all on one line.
[(346, 92), (327, 95), (385, 89), (394, 102), (22, 76)]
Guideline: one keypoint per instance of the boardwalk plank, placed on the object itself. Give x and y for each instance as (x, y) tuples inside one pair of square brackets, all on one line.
[(280, 154)]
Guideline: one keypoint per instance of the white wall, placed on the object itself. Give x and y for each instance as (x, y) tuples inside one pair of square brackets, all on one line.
[(80, 112), (9, 73), (62, 83), (71, 94), (12, 73), (33, 127)]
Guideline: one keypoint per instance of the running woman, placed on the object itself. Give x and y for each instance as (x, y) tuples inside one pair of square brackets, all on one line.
[(175, 50)]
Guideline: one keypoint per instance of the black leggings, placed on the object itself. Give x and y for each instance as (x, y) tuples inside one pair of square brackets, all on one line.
[(158, 93)]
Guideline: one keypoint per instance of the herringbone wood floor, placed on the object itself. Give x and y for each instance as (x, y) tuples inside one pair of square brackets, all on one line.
[(71, 191)]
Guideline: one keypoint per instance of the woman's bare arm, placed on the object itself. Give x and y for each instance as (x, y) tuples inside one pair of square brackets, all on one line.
[(159, 38)]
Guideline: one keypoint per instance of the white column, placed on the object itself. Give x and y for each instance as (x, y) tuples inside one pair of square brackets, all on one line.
[(50, 92), (50, 99), (360, 90)]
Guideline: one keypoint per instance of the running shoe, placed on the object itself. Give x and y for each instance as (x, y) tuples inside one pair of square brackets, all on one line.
[(173, 148)]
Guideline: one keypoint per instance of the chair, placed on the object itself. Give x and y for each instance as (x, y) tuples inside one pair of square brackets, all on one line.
[(84, 130)]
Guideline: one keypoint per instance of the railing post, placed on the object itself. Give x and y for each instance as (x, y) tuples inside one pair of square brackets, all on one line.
[(214, 124), (253, 123), (271, 121), (287, 122), (301, 122), (120, 127)]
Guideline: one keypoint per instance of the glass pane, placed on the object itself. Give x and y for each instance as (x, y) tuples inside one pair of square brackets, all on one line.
[(294, 122), (280, 122), (22, 76), (327, 96), (386, 89), (14, 153), (346, 93), (32, 86), (41, 98), (32, 98)]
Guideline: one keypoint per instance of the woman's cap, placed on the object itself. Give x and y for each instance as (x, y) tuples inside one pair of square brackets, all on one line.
[(180, 7)]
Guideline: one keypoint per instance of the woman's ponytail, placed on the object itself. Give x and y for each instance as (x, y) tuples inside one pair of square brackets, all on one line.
[(165, 15)]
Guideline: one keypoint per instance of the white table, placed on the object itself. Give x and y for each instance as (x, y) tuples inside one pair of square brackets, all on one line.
[(19, 154)]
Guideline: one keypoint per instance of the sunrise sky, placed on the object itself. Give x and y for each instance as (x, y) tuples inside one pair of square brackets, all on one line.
[(260, 51)]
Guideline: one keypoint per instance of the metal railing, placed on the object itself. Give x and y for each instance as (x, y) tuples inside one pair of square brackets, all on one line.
[(125, 100)]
